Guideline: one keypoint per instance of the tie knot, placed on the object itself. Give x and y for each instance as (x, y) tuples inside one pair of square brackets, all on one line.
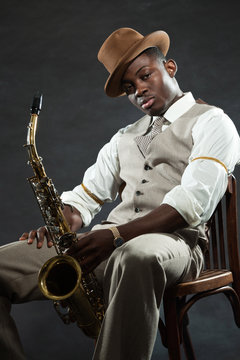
[(158, 121), (144, 141), (157, 126)]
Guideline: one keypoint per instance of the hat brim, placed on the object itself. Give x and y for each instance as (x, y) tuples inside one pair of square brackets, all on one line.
[(160, 39)]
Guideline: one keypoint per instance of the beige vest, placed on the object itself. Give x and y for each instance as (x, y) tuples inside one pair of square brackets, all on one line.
[(149, 179)]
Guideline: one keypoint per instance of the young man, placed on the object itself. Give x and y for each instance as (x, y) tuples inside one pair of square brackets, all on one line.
[(170, 168)]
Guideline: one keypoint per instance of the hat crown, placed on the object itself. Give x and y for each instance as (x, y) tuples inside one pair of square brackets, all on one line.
[(116, 45)]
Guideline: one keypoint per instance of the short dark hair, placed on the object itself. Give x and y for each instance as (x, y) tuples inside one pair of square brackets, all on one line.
[(155, 53)]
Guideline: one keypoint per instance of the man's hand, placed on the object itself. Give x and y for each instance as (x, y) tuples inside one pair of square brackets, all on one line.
[(73, 218), (39, 235), (92, 248)]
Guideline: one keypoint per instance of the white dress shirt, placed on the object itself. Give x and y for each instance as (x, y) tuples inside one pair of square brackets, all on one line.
[(203, 183)]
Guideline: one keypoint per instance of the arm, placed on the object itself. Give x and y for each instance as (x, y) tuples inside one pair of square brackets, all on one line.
[(96, 246), (163, 219), (204, 180), (101, 179), (73, 217), (190, 203)]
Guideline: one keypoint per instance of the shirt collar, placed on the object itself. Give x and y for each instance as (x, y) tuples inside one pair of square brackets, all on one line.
[(180, 107)]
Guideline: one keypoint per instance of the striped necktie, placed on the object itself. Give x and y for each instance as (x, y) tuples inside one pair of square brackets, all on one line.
[(144, 141)]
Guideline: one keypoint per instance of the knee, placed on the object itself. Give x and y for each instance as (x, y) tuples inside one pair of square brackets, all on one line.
[(136, 259), (138, 270)]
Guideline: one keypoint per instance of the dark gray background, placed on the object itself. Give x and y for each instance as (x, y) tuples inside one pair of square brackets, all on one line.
[(51, 46)]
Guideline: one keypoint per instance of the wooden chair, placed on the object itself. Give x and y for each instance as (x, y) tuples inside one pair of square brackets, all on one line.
[(221, 275)]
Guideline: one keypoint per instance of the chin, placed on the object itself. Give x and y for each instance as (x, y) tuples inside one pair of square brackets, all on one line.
[(155, 112)]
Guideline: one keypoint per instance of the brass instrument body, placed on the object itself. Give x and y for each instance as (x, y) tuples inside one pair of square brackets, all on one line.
[(61, 278)]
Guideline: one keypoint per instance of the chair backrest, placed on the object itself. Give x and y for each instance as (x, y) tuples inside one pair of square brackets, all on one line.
[(222, 231)]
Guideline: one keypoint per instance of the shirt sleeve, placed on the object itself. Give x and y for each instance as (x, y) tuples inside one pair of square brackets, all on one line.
[(101, 180), (215, 152)]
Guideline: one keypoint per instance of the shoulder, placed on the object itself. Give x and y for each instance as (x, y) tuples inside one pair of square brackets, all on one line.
[(213, 119), (215, 133)]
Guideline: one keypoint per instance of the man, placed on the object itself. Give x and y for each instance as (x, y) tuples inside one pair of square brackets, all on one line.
[(170, 168)]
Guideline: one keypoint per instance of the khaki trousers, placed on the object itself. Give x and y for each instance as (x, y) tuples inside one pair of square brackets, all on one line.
[(134, 279)]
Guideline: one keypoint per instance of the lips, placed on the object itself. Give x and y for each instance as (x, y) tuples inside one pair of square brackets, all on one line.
[(147, 103)]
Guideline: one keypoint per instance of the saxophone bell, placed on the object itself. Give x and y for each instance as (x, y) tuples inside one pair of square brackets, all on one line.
[(59, 277), (59, 280)]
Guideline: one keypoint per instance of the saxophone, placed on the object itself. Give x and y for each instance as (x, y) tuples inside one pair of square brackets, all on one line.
[(77, 297)]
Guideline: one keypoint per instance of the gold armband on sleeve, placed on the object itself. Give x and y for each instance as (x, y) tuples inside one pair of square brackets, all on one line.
[(213, 159), (94, 197)]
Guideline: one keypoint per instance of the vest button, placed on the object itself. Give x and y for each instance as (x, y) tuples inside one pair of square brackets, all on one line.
[(137, 210), (147, 167), (138, 193), (144, 181)]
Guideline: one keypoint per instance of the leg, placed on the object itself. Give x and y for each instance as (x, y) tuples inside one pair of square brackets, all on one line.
[(134, 281), (10, 345), (19, 266)]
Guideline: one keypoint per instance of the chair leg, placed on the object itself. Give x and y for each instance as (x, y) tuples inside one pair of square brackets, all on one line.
[(232, 296), (185, 338), (187, 343), (172, 329), (162, 331)]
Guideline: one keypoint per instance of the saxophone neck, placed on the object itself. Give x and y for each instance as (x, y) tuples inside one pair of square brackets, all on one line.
[(34, 159), (32, 127)]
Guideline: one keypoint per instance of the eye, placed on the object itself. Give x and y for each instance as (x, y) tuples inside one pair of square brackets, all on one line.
[(128, 88), (146, 76)]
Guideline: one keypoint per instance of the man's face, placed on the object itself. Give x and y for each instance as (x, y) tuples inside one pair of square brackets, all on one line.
[(149, 84)]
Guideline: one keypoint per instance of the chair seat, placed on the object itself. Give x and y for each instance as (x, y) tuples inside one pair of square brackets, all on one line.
[(208, 280)]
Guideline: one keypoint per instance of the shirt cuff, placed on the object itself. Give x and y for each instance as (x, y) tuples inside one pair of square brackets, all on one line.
[(73, 199), (185, 204)]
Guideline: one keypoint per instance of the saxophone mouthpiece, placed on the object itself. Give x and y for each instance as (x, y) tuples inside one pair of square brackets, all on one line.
[(37, 104)]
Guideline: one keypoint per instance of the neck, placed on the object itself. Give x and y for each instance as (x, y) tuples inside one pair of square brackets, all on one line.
[(178, 96)]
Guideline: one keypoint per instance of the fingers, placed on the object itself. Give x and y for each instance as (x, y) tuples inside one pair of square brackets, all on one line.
[(81, 252), (28, 236), (92, 248), (89, 263), (24, 236), (38, 235), (41, 233), (49, 239), (78, 246), (32, 235)]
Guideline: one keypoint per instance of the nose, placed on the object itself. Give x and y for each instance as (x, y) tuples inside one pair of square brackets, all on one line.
[(141, 89)]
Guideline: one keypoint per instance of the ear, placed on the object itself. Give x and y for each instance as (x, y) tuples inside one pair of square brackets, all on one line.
[(171, 67)]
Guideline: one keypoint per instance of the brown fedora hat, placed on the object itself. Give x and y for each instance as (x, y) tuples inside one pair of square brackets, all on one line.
[(123, 46)]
